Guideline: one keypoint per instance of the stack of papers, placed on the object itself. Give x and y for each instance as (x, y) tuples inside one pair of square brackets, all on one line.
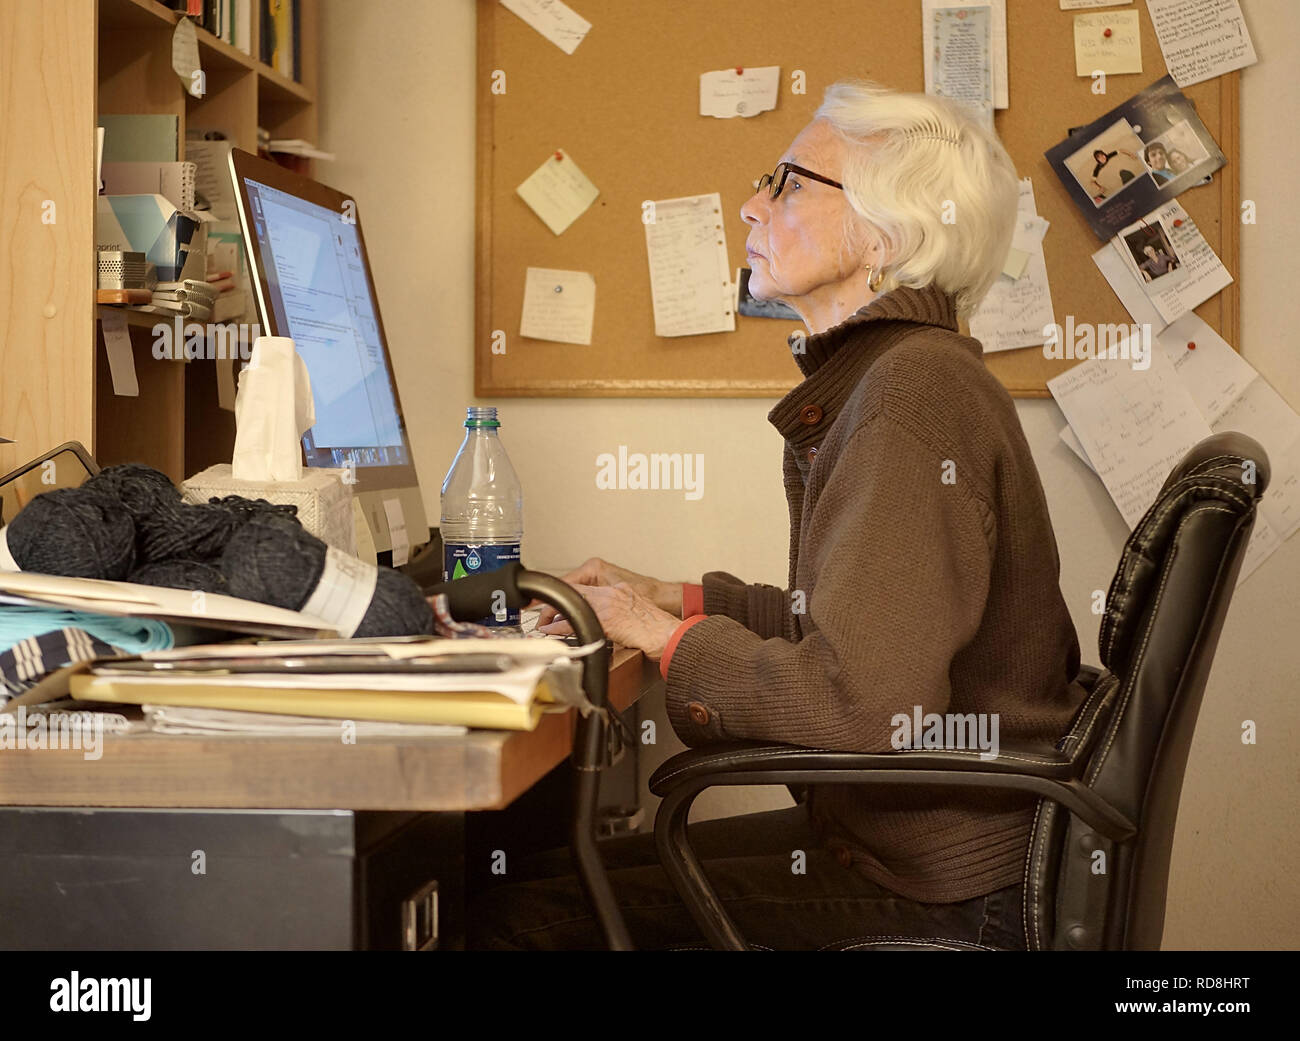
[(1133, 425), (501, 684)]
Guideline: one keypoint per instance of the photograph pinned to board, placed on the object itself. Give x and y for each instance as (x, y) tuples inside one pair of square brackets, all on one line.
[(1105, 166), (1149, 248), (1159, 302), (752, 307)]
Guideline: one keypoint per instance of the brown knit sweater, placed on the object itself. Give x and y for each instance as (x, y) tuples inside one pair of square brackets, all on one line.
[(921, 544)]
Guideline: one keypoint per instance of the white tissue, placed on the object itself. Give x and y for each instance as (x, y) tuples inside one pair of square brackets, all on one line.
[(273, 409)]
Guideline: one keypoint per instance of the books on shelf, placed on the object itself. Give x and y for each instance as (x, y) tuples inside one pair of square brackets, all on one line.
[(279, 36)]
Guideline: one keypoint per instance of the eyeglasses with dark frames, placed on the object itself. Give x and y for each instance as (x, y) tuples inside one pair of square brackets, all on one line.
[(775, 181)]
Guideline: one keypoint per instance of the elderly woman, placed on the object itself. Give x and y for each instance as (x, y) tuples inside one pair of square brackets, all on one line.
[(923, 569)]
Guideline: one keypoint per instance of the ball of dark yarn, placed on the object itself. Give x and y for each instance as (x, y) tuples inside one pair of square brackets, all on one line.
[(75, 532), (398, 608), (181, 574), (273, 560)]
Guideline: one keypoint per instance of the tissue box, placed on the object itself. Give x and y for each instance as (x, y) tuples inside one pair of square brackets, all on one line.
[(323, 499)]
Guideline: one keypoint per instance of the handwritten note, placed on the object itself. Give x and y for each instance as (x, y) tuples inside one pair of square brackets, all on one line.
[(558, 191), (558, 305), (963, 66), (1109, 43), (1201, 39), (1016, 311), (690, 279), (727, 93), (1134, 425), (1202, 273), (1228, 395), (557, 21)]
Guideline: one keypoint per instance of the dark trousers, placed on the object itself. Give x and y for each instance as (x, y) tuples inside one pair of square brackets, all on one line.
[(750, 861)]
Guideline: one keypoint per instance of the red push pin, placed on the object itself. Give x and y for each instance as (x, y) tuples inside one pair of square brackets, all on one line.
[(1191, 345), (1178, 223), (559, 155), (740, 71), (1106, 34)]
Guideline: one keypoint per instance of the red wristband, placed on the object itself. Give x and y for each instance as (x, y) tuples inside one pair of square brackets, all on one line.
[(673, 640)]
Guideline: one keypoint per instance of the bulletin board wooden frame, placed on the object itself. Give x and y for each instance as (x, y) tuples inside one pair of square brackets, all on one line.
[(625, 107)]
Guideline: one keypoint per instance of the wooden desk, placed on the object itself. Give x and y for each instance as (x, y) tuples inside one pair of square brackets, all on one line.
[(308, 844), (484, 770)]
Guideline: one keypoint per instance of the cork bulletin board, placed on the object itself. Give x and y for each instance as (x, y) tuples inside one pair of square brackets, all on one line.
[(625, 106)]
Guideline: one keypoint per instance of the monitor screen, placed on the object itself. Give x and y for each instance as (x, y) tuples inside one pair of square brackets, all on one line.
[(317, 284)]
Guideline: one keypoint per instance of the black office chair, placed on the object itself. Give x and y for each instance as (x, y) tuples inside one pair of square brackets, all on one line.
[(1112, 784)]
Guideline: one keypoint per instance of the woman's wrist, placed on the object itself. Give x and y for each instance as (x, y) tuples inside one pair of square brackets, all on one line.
[(668, 597)]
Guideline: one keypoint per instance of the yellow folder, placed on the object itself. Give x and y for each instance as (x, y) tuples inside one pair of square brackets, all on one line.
[(470, 708)]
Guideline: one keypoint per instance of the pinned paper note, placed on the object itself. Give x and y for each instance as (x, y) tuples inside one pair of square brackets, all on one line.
[(1015, 313), (741, 91), (690, 278), (558, 305), (558, 191), (185, 57), (1201, 39), (117, 344), (1227, 393), (557, 21), (998, 38), (1079, 5), (1025, 242), (1134, 424), (1109, 43), (1165, 260), (962, 68)]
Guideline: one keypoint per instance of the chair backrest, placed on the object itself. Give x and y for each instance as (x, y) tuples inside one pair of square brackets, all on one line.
[(1164, 612)]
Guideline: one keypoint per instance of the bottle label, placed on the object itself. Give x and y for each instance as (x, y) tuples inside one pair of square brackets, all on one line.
[(461, 559)]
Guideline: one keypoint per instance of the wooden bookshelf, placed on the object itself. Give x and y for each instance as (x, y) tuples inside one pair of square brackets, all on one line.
[(54, 378)]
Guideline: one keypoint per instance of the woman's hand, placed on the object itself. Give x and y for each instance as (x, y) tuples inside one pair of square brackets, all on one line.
[(627, 617), (667, 596)]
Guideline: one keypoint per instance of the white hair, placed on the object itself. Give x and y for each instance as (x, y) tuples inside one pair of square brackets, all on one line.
[(928, 184)]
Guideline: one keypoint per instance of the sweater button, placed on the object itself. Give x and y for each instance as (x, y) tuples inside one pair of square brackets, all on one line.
[(844, 856), (698, 713), (810, 415), (812, 454)]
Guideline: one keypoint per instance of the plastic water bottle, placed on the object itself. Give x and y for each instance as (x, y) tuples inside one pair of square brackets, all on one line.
[(482, 508)]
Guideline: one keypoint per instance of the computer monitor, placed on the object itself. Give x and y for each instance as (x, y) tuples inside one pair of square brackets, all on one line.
[(311, 275)]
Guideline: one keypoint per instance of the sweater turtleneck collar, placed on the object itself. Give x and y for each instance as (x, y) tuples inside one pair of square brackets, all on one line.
[(833, 361), (928, 306)]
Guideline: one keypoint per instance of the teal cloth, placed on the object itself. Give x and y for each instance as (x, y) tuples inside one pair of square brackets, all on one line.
[(133, 635)]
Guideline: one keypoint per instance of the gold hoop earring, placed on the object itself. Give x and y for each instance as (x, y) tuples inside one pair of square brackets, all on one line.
[(875, 278)]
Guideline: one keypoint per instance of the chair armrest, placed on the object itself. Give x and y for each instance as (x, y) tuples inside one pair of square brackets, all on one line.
[(757, 757), (1049, 775)]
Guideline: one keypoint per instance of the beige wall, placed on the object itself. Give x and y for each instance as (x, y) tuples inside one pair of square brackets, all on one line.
[(397, 105)]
